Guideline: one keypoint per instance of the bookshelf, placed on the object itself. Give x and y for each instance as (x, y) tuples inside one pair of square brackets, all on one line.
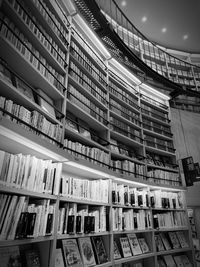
[(75, 158)]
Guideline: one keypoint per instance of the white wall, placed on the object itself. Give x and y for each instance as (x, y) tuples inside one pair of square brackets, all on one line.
[(186, 130)]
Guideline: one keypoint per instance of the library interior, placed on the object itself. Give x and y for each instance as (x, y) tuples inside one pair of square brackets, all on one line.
[(99, 137)]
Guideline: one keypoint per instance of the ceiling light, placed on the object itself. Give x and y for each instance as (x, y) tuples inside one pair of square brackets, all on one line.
[(164, 30), (144, 19), (185, 37), (123, 3)]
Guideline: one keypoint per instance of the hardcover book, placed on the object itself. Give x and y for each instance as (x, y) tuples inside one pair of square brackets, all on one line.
[(165, 241), (143, 245), (169, 261), (182, 239), (71, 253), (135, 246), (159, 243), (174, 240), (59, 261), (178, 261), (125, 246), (99, 249), (32, 258), (185, 261), (10, 256), (86, 250), (117, 254)]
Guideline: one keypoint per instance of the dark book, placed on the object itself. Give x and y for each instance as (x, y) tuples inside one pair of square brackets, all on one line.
[(32, 258), (10, 256), (49, 224), (78, 224), (116, 253), (87, 224), (159, 243), (70, 224), (21, 231), (31, 224), (174, 240), (99, 249)]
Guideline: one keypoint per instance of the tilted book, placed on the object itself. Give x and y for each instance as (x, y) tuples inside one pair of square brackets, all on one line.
[(86, 251), (143, 245), (125, 246), (117, 254), (174, 240), (135, 246), (59, 261), (99, 249), (182, 239), (71, 253), (159, 243)]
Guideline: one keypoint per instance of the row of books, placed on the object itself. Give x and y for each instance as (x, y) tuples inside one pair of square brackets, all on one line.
[(124, 112), (16, 39), (24, 218), (87, 63), (165, 176), (51, 20), (87, 82), (159, 143), (160, 160), (125, 129), (128, 167), (43, 37), (170, 240), (123, 149), (83, 251), (33, 118), (121, 93), (91, 190), (28, 172), (82, 219), (84, 44), (155, 113), (87, 105), (170, 219), (92, 154), (129, 219), (149, 126), (181, 260), (13, 256), (130, 245)]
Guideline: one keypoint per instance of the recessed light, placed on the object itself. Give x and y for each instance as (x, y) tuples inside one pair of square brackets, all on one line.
[(164, 30), (144, 19), (185, 37), (123, 3)]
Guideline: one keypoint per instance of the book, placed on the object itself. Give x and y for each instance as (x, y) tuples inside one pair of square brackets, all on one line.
[(161, 262), (99, 249), (143, 245), (125, 247), (23, 88), (174, 240), (182, 239), (135, 246), (185, 261), (59, 261), (86, 251), (32, 258), (84, 128), (159, 243), (10, 256), (116, 253), (165, 241), (71, 122), (169, 261), (46, 102), (178, 261), (71, 253)]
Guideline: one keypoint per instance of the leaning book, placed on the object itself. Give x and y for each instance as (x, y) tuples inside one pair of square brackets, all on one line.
[(10, 256), (99, 249), (86, 250), (71, 253)]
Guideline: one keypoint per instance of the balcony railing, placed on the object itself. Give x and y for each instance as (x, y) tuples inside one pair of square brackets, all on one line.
[(172, 68)]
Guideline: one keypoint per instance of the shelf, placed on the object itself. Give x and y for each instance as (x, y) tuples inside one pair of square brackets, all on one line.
[(157, 134), (120, 156), (161, 121), (134, 258), (96, 125), (64, 236), (86, 93), (133, 231), (26, 241), (159, 151), (81, 200), (121, 118), (31, 36), (29, 73), (46, 25), (24, 192), (125, 139), (162, 168), (11, 92), (124, 103), (173, 251), (88, 74)]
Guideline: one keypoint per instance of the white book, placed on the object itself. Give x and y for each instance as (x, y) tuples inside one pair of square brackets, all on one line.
[(9, 174), (134, 244)]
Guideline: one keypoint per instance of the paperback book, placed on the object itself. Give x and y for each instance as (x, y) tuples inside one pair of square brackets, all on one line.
[(134, 244), (86, 250), (71, 253), (99, 249)]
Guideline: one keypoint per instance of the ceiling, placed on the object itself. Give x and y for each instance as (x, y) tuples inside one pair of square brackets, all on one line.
[(174, 24)]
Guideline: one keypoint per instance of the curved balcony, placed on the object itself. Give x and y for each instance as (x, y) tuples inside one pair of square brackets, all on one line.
[(131, 48)]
